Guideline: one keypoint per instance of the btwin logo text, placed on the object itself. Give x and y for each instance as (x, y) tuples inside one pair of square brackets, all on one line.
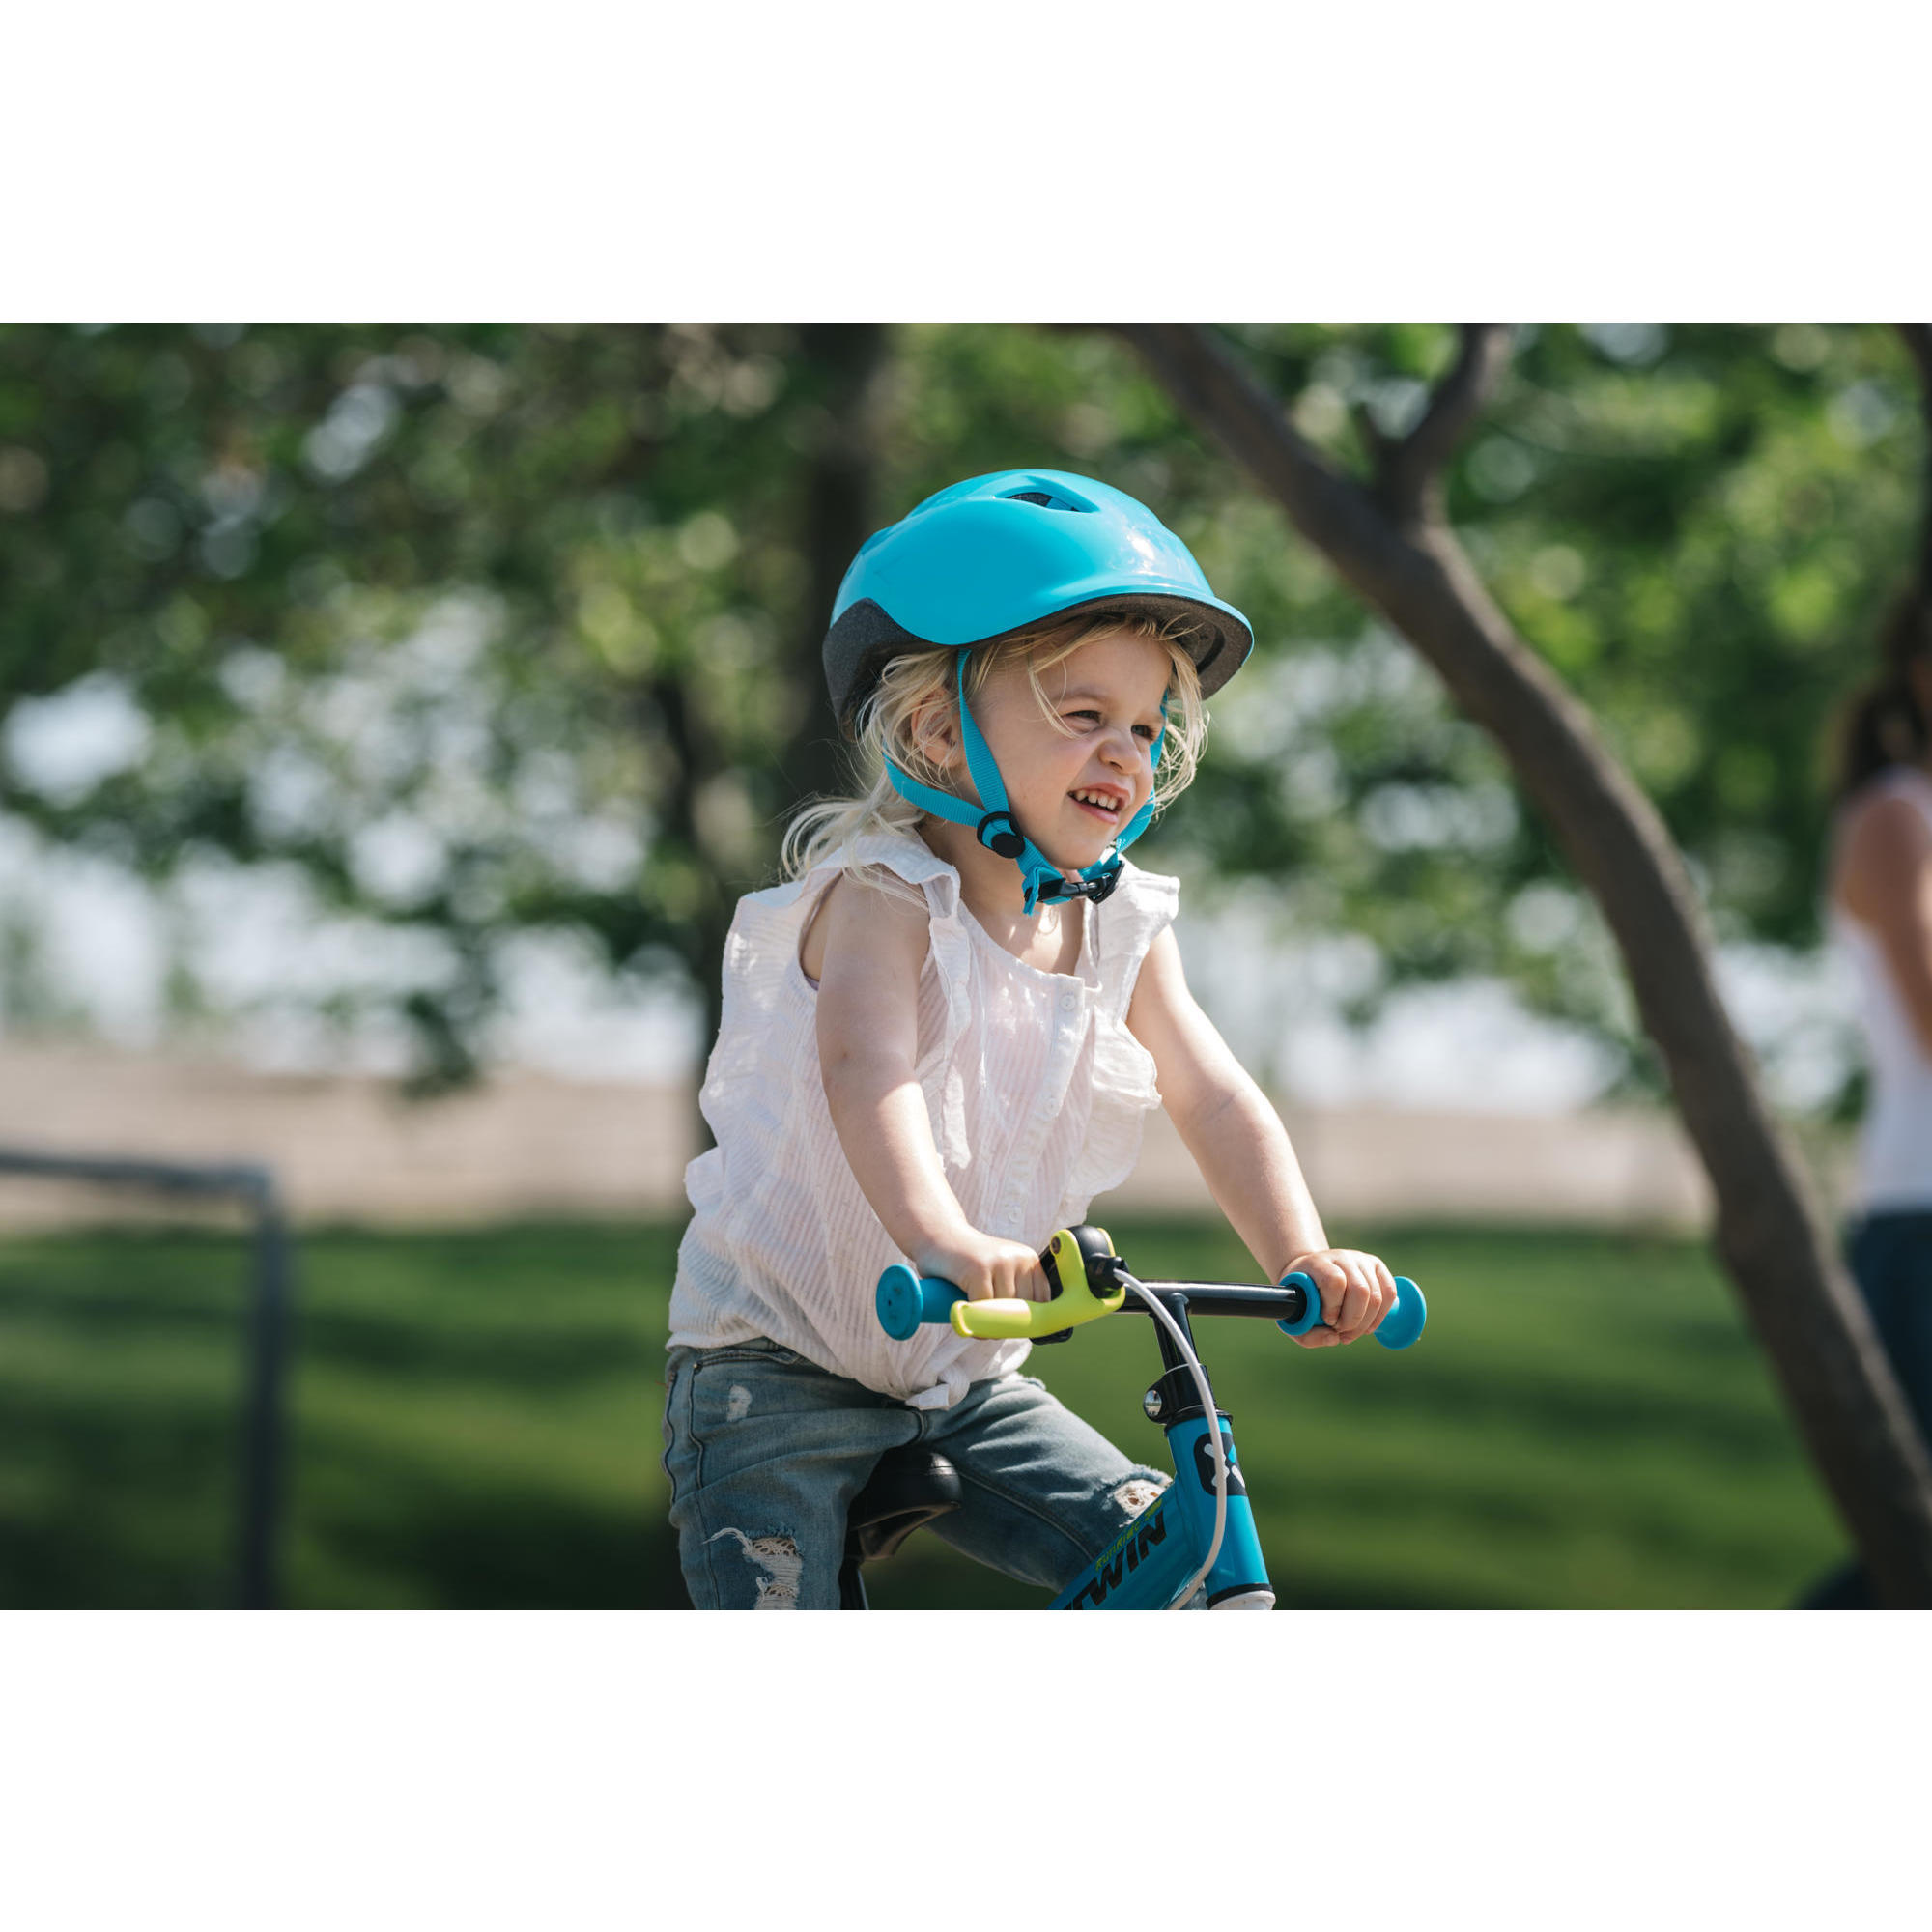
[(1122, 1559)]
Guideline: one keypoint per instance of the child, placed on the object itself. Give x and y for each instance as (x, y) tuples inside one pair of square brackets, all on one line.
[(941, 1036)]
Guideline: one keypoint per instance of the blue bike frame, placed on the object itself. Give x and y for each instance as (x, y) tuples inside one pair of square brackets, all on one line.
[(1157, 1553)]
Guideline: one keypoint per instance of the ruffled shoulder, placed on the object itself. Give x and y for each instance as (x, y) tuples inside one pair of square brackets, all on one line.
[(950, 960), (761, 948), (907, 856), (764, 914), (1125, 1085), (1125, 923), (910, 858)]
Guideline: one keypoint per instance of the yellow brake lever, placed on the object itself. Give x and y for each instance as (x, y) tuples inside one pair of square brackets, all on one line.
[(1065, 1264)]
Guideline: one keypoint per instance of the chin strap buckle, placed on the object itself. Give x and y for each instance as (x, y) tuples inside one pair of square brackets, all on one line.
[(1096, 889)]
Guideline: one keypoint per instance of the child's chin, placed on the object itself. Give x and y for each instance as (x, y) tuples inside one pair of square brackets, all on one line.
[(1075, 856), (1093, 836)]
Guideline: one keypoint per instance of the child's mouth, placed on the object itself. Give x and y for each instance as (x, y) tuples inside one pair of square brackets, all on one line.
[(1107, 815)]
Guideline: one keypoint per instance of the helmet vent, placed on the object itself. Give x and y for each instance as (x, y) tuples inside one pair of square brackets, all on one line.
[(1043, 499)]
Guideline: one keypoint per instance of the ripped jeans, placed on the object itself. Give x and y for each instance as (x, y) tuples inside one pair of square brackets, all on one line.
[(765, 1452)]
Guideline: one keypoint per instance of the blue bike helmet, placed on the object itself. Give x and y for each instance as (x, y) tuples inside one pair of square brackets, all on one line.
[(997, 555)]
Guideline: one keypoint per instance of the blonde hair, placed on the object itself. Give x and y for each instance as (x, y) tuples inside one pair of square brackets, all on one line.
[(896, 717)]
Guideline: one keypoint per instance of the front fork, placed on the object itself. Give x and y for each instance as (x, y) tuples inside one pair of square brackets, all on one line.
[(1150, 1562), (1152, 1559), (1239, 1579)]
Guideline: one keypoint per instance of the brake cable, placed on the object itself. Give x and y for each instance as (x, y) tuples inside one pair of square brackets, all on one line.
[(1207, 1409)]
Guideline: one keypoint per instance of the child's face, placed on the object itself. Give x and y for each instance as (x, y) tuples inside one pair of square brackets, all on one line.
[(1107, 696)]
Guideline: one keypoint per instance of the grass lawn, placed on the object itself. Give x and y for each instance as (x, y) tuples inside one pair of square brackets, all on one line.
[(476, 1417)]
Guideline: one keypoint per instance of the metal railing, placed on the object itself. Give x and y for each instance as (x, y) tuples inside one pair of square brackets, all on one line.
[(266, 1341)]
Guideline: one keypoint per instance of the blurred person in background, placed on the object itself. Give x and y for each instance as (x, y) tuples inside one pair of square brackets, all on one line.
[(1879, 903)]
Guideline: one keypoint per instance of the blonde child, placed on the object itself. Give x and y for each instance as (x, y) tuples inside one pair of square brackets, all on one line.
[(940, 1039)]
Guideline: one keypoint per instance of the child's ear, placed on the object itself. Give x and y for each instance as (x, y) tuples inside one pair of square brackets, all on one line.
[(935, 734)]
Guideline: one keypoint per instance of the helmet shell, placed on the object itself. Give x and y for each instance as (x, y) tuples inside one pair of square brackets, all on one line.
[(1000, 553)]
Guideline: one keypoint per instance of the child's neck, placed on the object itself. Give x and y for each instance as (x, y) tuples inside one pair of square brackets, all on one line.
[(992, 886)]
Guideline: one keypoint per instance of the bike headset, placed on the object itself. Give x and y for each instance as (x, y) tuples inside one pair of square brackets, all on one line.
[(987, 560)]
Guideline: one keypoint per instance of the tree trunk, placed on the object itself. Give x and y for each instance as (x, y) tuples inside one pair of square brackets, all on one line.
[(1918, 339), (1391, 542), (846, 359), (840, 361)]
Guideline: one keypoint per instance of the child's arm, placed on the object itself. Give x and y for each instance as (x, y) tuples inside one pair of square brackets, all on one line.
[(867, 1054), (1242, 1150)]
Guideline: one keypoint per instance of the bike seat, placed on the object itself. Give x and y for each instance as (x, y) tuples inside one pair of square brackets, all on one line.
[(909, 1488)]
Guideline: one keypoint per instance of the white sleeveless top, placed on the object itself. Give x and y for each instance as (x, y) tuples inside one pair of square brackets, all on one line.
[(1895, 1142), (1035, 1089)]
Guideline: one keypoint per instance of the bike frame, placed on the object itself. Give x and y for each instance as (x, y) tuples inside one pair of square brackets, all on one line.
[(1150, 1563), (1157, 1556), (1157, 1553)]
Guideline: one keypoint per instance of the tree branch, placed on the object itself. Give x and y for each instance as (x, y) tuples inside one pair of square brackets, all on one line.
[(1918, 336), (1414, 467), (1381, 447), (1918, 339), (1770, 1231), (1330, 509)]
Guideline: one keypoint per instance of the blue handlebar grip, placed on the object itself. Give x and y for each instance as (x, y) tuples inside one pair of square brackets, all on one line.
[(1311, 1316), (1402, 1323), (904, 1302), (1399, 1326)]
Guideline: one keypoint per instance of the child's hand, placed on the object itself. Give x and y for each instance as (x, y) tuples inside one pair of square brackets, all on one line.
[(987, 1269), (1357, 1292)]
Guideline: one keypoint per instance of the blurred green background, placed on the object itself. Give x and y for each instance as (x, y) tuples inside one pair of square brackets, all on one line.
[(476, 1422), (454, 644), (483, 636)]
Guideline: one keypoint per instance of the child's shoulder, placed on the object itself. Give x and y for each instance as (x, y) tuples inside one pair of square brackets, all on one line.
[(871, 912), (892, 855), (879, 903), (1149, 895), (898, 869), (892, 864)]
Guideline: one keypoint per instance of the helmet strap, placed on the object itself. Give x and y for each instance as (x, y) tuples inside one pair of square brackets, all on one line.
[(994, 826)]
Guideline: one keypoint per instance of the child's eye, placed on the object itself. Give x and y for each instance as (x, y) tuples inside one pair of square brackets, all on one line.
[(1146, 731)]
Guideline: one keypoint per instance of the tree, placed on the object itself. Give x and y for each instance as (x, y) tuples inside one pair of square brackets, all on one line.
[(1390, 538), (629, 538), (483, 631), (1694, 522), (475, 630)]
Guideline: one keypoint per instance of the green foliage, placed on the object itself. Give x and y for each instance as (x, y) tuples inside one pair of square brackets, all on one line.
[(458, 623), (476, 1423), (1699, 526), (482, 630), (1703, 543)]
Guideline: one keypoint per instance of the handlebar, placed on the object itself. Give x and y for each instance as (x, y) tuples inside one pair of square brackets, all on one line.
[(1083, 1290), (1397, 1329), (1085, 1275)]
